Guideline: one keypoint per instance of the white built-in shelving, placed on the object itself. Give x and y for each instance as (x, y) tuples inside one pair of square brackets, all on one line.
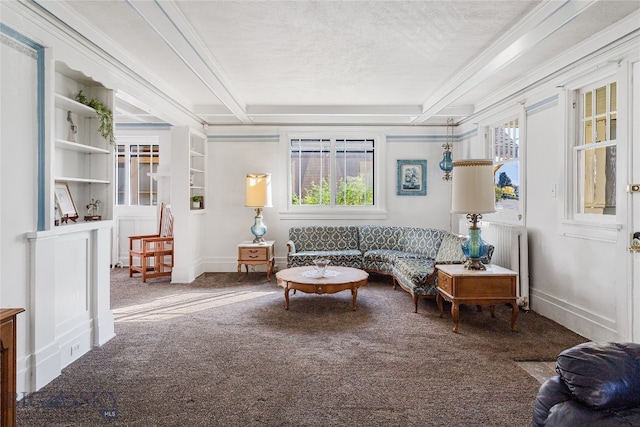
[(196, 170), (81, 159)]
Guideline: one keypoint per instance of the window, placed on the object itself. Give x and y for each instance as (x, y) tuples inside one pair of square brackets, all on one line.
[(332, 172), (505, 141), (594, 154), (506, 170), (136, 159)]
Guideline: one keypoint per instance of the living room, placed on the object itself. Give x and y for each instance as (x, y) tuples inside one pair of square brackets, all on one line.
[(582, 274)]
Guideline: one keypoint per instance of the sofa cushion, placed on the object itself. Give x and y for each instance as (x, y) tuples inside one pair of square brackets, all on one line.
[(324, 237), (450, 251), (422, 241), (345, 258), (383, 259), (602, 375), (374, 237), (572, 413)]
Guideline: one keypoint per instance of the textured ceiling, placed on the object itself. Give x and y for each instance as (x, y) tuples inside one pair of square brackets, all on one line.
[(355, 62)]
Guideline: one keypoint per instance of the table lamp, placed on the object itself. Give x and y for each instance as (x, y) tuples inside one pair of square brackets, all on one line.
[(473, 194), (258, 196)]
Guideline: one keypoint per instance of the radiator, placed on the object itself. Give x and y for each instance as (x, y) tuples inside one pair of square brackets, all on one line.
[(511, 251)]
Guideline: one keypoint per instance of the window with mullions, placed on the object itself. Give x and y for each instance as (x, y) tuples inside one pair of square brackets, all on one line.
[(506, 158), (134, 164), (332, 172), (594, 154)]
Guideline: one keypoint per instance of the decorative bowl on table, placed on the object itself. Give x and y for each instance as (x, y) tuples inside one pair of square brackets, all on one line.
[(321, 265)]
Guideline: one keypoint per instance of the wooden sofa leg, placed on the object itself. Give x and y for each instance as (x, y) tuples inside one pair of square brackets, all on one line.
[(415, 303)]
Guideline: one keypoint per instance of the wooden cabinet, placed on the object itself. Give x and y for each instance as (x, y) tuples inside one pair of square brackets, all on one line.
[(197, 171), (82, 159), (250, 253), (8, 365), (495, 285)]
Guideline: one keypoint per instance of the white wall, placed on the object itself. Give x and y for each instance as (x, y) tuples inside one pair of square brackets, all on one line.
[(228, 221), (582, 280), (60, 276), (574, 280), (18, 208)]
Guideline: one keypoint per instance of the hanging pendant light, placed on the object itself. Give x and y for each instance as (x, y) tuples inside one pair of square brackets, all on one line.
[(447, 163)]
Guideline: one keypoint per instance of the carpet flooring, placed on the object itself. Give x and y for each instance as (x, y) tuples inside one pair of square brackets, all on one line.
[(219, 352)]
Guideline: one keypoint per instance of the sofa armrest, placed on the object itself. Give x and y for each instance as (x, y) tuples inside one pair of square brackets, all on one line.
[(432, 278), (291, 247), (552, 392)]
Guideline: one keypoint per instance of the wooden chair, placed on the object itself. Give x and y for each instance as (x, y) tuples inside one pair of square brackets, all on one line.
[(153, 253)]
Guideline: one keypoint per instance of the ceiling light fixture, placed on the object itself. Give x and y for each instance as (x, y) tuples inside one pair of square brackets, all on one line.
[(447, 163)]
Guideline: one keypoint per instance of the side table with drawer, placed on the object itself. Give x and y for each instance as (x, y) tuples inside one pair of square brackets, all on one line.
[(495, 285), (250, 253)]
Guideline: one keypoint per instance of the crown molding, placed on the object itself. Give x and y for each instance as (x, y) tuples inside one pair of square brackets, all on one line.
[(547, 18)]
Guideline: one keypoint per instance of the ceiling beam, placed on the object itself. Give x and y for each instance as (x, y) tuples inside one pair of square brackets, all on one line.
[(168, 22), (68, 28), (333, 110), (546, 19), (455, 111)]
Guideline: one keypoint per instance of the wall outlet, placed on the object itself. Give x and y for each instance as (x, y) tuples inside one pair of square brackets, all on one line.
[(552, 193), (75, 348)]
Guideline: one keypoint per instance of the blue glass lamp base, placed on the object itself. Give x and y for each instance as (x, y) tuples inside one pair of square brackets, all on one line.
[(259, 229), (474, 248)]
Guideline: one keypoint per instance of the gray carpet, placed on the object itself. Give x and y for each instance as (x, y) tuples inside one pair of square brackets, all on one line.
[(222, 353)]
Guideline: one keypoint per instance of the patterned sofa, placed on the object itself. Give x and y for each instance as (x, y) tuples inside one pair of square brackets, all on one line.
[(408, 254)]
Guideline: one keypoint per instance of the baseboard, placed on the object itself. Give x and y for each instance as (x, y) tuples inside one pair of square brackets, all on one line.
[(103, 328), (45, 366), (23, 374), (574, 318), (76, 340)]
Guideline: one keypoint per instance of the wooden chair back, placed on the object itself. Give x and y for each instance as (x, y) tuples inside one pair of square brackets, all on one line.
[(166, 222)]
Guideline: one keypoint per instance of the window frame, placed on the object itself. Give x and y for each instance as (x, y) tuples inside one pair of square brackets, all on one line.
[(375, 211), (589, 226), (577, 190), (128, 142), (509, 216)]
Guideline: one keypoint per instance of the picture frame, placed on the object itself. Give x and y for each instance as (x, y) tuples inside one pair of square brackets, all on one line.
[(65, 202), (412, 178)]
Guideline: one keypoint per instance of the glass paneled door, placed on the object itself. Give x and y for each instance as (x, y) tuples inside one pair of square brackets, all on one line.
[(135, 166)]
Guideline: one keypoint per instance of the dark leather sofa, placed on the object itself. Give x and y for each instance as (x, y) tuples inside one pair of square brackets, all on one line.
[(598, 385)]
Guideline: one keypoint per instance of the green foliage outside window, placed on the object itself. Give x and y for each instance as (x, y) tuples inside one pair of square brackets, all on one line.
[(505, 188), (504, 180), (353, 192)]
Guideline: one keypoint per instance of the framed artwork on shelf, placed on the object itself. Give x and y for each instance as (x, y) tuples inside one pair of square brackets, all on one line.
[(412, 178), (66, 206)]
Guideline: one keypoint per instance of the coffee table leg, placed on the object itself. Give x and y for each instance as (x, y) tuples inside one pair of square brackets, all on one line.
[(439, 302), (354, 294), (286, 298), (455, 313), (239, 272)]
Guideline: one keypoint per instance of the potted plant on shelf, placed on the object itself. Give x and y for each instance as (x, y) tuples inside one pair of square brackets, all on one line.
[(104, 114), (196, 202)]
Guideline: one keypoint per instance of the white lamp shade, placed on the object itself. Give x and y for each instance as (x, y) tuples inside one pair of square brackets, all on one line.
[(473, 189), (258, 190)]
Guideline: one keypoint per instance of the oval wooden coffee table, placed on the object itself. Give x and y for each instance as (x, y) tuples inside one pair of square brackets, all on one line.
[(336, 279)]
